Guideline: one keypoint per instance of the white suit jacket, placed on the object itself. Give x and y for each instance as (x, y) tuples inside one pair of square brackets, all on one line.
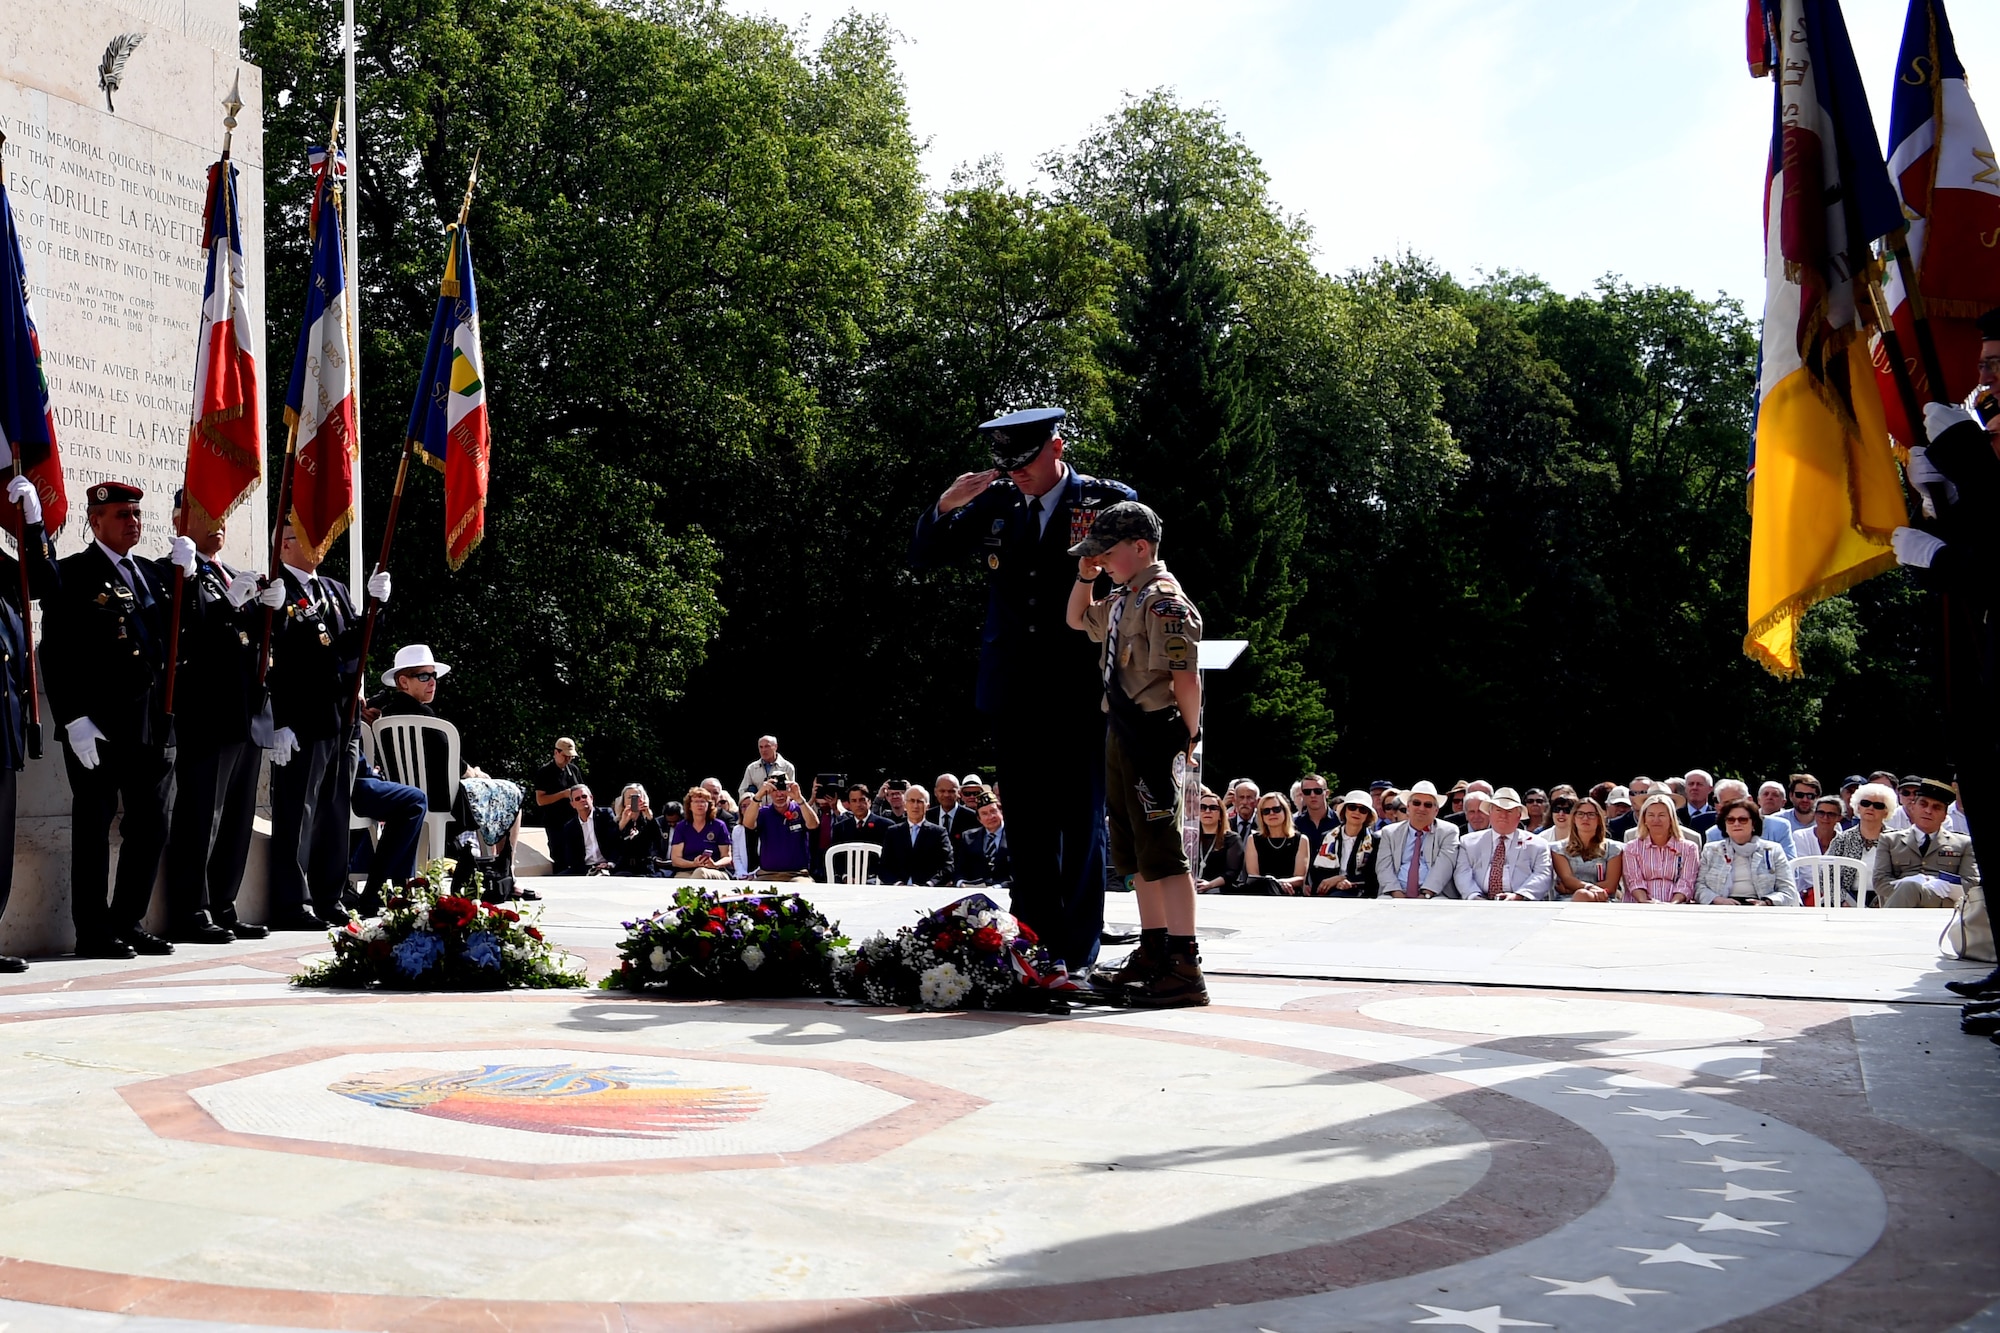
[(1526, 871)]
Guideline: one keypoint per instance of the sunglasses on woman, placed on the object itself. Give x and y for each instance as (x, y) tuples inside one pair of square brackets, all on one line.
[(1206, 807), (1271, 810), (1873, 805)]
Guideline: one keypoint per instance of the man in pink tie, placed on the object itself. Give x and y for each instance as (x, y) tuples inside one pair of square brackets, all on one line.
[(1414, 859)]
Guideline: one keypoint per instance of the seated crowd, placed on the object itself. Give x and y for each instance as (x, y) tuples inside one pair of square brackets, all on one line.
[(1894, 842)]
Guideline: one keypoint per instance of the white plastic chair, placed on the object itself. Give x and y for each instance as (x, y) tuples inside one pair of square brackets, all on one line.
[(1825, 878), (399, 749), (361, 821), (850, 862)]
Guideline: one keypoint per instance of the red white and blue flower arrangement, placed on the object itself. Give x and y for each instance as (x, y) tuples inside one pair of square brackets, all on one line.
[(728, 944), (428, 939), (966, 955)]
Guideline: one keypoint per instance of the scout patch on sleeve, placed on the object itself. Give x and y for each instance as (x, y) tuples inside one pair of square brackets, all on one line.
[(1175, 650)]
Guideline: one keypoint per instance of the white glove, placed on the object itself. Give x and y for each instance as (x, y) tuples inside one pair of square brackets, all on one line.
[(22, 492), (1941, 417), (83, 739), (1915, 547), (378, 586), (181, 552), (274, 595), (284, 744), (1924, 474), (241, 589)]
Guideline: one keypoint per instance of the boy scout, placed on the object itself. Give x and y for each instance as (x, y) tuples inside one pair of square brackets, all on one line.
[(1152, 690)]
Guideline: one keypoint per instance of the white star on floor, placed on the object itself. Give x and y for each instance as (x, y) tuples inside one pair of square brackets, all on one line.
[(1733, 1192), (1730, 1165), (1486, 1320), (1678, 1253), (1696, 1136), (1753, 1078), (1724, 1222), (1601, 1093), (1605, 1288), (1453, 1057), (1682, 1114)]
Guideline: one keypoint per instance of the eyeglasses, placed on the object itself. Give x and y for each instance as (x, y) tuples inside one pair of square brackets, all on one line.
[(1271, 810), (426, 677), (1990, 364), (1312, 791), (1737, 819), (1206, 807), (1562, 807), (1392, 809), (1805, 796), (1423, 805), (1537, 800), (1873, 805)]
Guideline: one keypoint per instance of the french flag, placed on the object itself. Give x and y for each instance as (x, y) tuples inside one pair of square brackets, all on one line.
[(226, 438), (27, 422), (319, 402), (1944, 171)]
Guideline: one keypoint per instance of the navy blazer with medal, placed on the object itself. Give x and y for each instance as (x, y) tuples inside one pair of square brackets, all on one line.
[(314, 652), (104, 648), (218, 699), (42, 583), (1027, 648)]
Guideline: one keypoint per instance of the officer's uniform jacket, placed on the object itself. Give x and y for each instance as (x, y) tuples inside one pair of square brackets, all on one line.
[(42, 580), (313, 657), (1897, 856), (218, 699), (104, 648), (1029, 658)]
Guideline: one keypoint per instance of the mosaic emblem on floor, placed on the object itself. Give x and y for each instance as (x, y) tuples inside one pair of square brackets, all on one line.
[(600, 1101)]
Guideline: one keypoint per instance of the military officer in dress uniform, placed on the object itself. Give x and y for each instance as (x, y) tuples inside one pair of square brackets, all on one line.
[(14, 673), (222, 725), (1038, 682), (104, 657), (315, 652)]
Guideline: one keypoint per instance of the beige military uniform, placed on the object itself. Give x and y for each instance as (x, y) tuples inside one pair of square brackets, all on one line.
[(1158, 629), (1150, 633)]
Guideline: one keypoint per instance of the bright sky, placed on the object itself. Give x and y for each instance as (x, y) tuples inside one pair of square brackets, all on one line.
[(1568, 138)]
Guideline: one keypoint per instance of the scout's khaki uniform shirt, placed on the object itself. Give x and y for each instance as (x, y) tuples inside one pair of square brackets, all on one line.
[(1157, 630)]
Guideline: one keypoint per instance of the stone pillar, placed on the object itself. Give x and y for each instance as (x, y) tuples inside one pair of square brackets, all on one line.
[(109, 205)]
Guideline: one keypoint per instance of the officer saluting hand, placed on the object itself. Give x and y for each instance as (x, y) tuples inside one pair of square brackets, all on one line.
[(104, 657), (1038, 682)]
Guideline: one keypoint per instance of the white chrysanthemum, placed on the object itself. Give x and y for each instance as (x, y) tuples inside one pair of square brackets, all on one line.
[(657, 959), (753, 958), (670, 917), (371, 929), (942, 987), (1007, 924)]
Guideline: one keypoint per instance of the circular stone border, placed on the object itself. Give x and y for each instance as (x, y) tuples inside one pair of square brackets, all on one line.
[(1570, 1168)]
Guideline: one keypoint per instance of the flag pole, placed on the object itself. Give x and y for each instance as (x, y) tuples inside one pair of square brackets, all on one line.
[(1897, 243), (231, 104), (33, 740), (396, 499), (354, 543)]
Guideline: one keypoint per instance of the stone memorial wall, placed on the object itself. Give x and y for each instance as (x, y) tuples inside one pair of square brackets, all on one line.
[(109, 207)]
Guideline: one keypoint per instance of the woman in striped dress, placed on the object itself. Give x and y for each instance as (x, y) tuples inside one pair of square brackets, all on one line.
[(1659, 865)]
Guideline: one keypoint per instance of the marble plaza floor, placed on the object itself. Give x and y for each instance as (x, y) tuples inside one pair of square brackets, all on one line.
[(1394, 1115)]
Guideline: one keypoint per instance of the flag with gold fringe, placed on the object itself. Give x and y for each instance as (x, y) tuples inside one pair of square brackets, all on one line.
[(319, 404), (1824, 494), (448, 420), (225, 438)]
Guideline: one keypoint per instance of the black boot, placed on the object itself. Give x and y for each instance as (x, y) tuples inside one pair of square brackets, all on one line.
[(1179, 985), (1986, 988), (1139, 967)]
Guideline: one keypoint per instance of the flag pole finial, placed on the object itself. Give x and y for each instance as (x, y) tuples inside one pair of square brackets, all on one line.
[(231, 105), (471, 180)]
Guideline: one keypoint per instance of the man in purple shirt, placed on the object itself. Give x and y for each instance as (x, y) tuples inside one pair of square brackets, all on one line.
[(784, 826)]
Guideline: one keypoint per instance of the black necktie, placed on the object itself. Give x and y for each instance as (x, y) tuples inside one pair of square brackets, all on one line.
[(140, 591), (1923, 845), (1035, 513), (992, 846)]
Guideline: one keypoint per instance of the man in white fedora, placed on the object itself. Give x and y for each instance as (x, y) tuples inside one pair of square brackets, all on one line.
[(1415, 859)]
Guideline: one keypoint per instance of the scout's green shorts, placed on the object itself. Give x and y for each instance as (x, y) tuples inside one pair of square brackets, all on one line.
[(1142, 794)]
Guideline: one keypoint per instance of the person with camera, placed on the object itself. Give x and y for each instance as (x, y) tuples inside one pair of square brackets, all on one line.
[(638, 850), (784, 825)]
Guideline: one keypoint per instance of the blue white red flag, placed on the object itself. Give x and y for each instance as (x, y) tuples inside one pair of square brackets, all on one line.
[(448, 420), (1946, 177), (226, 438), (319, 401), (1825, 494), (27, 422)]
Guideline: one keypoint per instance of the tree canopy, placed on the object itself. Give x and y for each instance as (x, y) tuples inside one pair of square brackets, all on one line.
[(734, 347)]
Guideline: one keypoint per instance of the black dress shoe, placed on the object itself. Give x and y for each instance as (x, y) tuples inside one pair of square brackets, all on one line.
[(201, 932), (105, 946), (1980, 1025), (9, 963), (1986, 988), (299, 920), (145, 943), (1971, 1007), (243, 930)]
